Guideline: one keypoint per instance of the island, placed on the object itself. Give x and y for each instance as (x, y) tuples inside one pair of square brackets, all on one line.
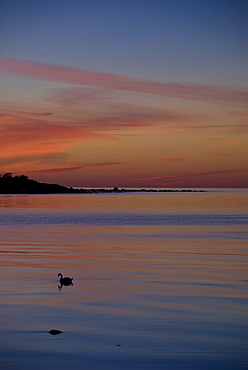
[(21, 184)]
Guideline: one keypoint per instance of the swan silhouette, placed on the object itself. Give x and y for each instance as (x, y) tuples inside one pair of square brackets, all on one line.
[(66, 281)]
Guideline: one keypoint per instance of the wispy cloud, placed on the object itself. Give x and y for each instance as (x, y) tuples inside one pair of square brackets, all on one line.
[(54, 73), (40, 158), (221, 154), (38, 114), (231, 142), (169, 183), (82, 166), (77, 95), (28, 140), (22, 126), (191, 174), (170, 159)]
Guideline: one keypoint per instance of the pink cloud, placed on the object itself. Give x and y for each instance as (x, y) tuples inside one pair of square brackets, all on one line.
[(40, 158), (124, 117), (194, 174), (171, 159), (17, 128), (17, 113), (220, 154), (76, 95), (38, 114), (54, 170), (169, 183), (84, 165), (54, 73), (231, 142)]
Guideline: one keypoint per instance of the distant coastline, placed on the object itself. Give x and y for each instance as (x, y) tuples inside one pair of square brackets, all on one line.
[(21, 184)]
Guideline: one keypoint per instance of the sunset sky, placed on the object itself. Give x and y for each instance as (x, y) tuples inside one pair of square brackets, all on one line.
[(105, 93)]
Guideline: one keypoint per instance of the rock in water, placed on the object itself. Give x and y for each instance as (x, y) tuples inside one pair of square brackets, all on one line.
[(55, 332)]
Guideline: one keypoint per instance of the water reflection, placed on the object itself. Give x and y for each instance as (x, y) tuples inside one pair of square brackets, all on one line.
[(169, 285)]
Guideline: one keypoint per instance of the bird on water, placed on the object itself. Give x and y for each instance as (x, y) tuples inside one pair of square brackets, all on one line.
[(65, 280)]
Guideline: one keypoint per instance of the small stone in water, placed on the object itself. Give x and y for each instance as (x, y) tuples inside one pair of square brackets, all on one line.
[(55, 332)]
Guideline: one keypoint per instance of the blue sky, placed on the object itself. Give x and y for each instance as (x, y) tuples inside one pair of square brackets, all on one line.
[(168, 40)]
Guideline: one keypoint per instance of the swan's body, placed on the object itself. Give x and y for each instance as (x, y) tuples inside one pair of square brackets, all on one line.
[(65, 280)]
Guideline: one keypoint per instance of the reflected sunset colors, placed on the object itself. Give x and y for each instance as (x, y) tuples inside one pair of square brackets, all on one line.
[(159, 281)]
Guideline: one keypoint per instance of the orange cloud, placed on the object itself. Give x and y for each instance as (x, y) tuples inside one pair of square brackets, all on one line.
[(184, 175), (41, 158), (82, 166), (54, 73), (231, 142), (23, 128), (40, 141), (171, 159), (38, 114), (20, 128), (76, 95), (220, 154)]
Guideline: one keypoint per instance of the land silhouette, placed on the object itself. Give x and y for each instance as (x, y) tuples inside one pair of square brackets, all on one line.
[(21, 184)]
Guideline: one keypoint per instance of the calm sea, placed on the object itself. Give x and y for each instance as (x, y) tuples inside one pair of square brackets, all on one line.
[(160, 281)]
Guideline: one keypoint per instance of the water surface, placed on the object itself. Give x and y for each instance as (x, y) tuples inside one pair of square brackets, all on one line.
[(160, 281)]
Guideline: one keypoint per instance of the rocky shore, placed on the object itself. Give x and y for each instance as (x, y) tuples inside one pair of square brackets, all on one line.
[(21, 184)]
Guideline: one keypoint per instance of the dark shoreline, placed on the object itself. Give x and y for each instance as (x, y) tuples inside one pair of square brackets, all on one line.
[(23, 185), (95, 191), (143, 190)]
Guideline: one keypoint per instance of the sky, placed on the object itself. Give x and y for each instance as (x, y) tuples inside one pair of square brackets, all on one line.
[(106, 93)]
